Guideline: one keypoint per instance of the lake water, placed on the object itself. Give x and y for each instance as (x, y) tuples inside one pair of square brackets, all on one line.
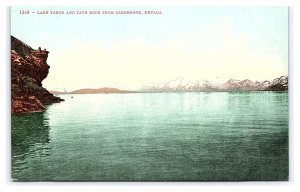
[(154, 136)]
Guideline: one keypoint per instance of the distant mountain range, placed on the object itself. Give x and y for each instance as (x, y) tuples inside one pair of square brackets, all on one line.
[(181, 85), (93, 91), (99, 90)]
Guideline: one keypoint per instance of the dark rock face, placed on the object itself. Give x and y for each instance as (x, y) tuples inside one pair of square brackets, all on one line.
[(28, 69)]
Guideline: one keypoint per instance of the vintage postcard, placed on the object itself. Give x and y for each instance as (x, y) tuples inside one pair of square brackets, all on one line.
[(149, 93)]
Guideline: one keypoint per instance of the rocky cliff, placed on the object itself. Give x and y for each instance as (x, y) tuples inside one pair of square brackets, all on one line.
[(28, 69)]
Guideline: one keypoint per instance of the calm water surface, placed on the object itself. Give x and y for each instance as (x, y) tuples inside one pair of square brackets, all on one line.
[(154, 136)]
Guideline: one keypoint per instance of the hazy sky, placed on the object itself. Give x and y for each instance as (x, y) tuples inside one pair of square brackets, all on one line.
[(127, 51)]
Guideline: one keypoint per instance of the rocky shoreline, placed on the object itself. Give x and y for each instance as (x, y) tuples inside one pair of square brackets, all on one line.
[(28, 69)]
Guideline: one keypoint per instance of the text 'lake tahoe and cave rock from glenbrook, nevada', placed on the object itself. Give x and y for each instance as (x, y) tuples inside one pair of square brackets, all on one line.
[(149, 93)]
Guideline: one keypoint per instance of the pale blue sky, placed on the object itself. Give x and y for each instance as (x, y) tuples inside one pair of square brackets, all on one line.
[(240, 36)]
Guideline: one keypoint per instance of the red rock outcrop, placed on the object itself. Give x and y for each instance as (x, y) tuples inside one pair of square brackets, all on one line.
[(26, 104), (28, 69)]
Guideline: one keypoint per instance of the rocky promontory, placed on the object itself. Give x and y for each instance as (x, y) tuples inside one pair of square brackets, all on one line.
[(28, 69)]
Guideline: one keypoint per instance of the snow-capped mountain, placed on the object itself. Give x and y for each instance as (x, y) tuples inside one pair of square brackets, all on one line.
[(279, 84), (181, 84)]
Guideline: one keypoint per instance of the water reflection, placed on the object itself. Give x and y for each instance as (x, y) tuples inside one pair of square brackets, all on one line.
[(184, 136), (29, 138)]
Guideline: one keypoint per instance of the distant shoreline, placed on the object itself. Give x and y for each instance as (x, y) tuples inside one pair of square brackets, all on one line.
[(183, 85), (139, 92)]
